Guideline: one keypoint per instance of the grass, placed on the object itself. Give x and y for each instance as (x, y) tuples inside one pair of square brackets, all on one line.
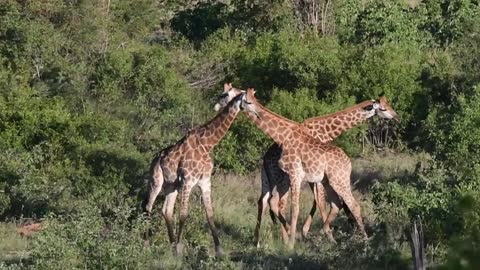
[(13, 247), (235, 206)]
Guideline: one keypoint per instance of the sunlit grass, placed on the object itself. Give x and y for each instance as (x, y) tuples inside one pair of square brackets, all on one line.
[(235, 211), (13, 247)]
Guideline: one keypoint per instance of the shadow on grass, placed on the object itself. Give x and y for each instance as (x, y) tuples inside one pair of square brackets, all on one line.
[(14, 260), (240, 235), (261, 259)]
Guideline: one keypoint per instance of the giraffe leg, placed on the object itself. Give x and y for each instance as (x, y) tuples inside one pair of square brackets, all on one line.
[(262, 205), (319, 194), (167, 210), (308, 221), (274, 204), (322, 200), (331, 217), (295, 207), (185, 195), (155, 188), (343, 189), (282, 206), (341, 205), (205, 186), (350, 218)]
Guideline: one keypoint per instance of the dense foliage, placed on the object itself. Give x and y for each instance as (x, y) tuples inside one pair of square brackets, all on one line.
[(91, 90)]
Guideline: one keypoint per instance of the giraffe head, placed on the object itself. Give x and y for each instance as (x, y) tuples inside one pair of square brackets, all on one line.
[(384, 110), (229, 93), (249, 102)]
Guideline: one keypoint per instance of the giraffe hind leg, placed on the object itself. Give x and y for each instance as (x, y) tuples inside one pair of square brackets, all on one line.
[(344, 191), (330, 218), (262, 205), (272, 216), (156, 184), (308, 220), (276, 205)]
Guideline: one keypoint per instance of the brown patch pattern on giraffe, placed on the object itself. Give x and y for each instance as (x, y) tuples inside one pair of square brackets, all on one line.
[(304, 159), (180, 167)]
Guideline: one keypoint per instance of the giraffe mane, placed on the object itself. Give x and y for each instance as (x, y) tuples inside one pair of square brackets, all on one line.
[(254, 99), (354, 107), (220, 112)]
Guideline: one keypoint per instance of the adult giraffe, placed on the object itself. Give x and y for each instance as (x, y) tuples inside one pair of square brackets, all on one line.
[(275, 182), (303, 158), (180, 167)]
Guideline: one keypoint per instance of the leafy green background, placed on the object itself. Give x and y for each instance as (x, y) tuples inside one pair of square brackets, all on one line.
[(91, 90)]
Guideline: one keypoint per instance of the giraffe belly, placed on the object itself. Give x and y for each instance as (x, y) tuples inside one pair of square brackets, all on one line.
[(314, 175), (313, 178)]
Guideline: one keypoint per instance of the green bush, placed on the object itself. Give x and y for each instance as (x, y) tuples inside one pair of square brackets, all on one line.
[(451, 130), (89, 239)]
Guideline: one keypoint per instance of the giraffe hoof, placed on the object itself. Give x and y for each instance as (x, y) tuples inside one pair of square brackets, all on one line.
[(298, 236), (304, 235), (331, 239), (219, 251), (179, 249), (146, 243)]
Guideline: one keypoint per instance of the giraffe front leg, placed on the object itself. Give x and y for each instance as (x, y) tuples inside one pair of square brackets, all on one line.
[(205, 186), (186, 190), (295, 208), (308, 221)]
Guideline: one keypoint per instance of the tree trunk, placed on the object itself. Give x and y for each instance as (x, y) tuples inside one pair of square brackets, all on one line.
[(417, 245)]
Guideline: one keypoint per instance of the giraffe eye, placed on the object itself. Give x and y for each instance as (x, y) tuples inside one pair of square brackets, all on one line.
[(368, 108)]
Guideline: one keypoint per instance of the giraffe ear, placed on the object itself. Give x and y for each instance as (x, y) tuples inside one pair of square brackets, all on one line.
[(252, 90), (227, 87)]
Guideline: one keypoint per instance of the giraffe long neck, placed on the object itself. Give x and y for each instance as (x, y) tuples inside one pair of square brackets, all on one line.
[(273, 125), (211, 133), (328, 127)]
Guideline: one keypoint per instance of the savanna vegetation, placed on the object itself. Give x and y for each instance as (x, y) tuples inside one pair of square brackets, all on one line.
[(90, 90)]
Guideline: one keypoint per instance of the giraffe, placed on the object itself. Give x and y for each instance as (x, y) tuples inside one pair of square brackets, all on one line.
[(275, 183), (180, 167), (303, 158)]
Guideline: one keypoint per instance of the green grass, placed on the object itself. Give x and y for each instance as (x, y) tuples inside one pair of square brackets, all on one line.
[(13, 247), (235, 207)]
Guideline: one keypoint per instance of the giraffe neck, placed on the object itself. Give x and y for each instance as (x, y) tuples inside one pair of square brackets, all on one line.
[(273, 125), (328, 127), (211, 133)]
